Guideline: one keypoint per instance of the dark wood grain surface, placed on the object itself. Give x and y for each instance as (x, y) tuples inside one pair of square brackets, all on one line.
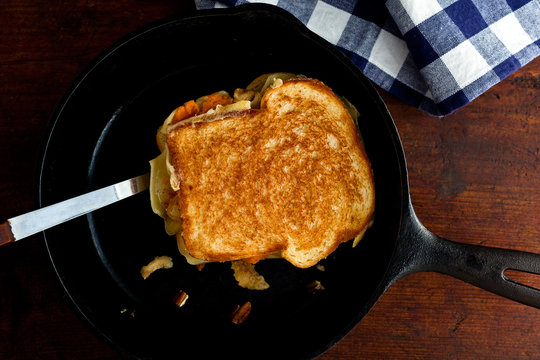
[(474, 178)]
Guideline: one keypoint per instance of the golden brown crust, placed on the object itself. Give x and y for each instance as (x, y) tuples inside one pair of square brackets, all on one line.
[(291, 177)]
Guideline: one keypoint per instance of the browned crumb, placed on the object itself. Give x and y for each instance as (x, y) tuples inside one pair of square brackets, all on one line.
[(241, 313), (180, 298)]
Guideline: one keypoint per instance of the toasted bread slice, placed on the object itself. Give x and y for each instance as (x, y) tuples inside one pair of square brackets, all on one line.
[(290, 177)]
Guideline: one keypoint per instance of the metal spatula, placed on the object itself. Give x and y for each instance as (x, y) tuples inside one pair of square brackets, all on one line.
[(35, 221)]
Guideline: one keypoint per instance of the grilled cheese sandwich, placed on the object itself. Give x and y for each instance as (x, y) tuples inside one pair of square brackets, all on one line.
[(281, 171)]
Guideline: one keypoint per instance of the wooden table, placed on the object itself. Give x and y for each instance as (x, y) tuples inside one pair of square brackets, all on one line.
[(474, 178)]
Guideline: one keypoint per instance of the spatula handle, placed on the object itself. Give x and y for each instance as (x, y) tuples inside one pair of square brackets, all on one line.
[(6, 236)]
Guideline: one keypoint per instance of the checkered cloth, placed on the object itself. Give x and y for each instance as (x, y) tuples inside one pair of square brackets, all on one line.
[(437, 55)]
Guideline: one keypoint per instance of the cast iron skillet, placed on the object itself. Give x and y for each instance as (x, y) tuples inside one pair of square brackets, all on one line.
[(104, 131)]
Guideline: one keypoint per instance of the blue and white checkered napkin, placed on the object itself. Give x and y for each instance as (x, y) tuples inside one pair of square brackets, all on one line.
[(437, 55)]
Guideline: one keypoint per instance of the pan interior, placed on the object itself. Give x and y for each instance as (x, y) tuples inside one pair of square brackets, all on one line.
[(105, 132)]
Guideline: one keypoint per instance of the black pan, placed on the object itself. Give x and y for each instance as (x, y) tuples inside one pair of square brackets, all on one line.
[(104, 131)]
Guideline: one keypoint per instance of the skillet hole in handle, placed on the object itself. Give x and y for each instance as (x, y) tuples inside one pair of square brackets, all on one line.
[(523, 278)]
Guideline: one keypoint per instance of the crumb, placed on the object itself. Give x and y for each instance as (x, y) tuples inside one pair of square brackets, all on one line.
[(241, 313), (320, 267), (159, 262), (180, 298), (314, 287), (247, 276)]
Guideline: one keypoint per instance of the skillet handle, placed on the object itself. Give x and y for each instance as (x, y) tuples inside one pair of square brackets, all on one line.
[(481, 266)]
